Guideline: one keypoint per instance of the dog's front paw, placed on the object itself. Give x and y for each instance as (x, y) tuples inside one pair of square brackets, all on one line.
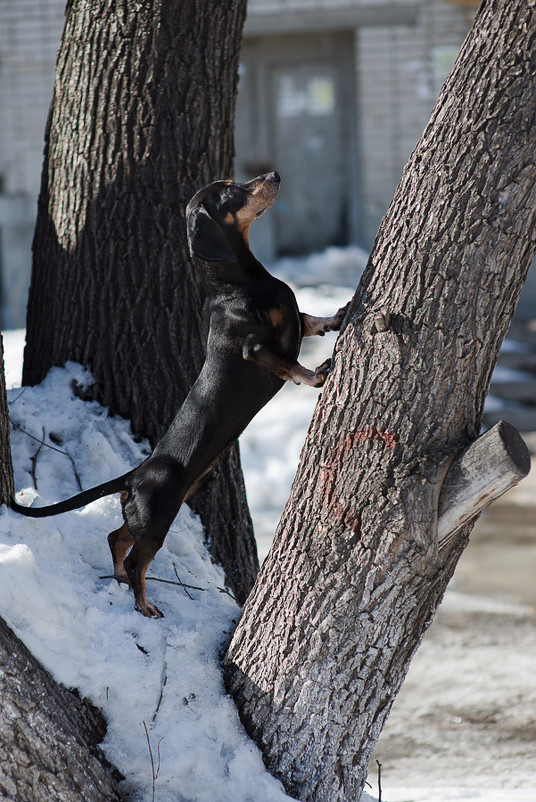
[(322, 372), (338, 317)]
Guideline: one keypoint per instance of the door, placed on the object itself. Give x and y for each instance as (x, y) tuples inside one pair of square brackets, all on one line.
[(308, 151), (295, 114)]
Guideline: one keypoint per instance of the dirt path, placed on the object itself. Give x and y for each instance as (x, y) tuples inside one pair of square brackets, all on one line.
[(466, 715)]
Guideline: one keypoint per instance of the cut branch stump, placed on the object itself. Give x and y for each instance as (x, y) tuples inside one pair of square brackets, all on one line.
[(482, 472)]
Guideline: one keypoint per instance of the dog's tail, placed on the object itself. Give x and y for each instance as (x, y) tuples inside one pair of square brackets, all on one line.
[(73, 503)]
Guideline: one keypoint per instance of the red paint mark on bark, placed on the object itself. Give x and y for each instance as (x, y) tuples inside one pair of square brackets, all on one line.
[(372, 433), (329, 473)]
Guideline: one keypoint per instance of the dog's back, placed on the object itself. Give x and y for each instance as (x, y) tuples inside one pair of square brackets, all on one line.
[(254, 338)]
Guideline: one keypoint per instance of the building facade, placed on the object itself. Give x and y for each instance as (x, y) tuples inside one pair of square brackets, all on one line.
[(30, 32), (333, 94)]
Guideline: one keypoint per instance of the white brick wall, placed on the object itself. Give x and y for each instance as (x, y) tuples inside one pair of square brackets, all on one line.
[(399, 75), (397, 70), (276, 6), (30, 32)]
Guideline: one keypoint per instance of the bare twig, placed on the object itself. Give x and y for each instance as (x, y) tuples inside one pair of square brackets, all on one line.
[(154, 773), (34, 459), (42, 443), (171, 582), (158, 753), (181, 582), (157, 579), (14, 400), (160, 698), (228, 592), (379, 780), (19, 428)]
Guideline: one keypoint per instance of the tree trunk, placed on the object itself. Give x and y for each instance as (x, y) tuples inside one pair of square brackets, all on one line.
[(357, 569), (141, 118), (6, 467), (48, 735)]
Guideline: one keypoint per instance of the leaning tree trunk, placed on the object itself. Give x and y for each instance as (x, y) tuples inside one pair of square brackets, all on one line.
[(358, 568), (48, 735), (141, 118)]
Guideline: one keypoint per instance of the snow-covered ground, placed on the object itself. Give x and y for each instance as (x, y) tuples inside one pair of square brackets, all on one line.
[(55, 592)]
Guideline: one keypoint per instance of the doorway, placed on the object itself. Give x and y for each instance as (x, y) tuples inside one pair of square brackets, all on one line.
[(296, 114)]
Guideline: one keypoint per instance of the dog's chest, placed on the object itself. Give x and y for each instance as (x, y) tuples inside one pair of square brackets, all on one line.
[(286, 327)]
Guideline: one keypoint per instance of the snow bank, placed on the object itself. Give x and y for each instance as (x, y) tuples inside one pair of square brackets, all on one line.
[(160, 674)]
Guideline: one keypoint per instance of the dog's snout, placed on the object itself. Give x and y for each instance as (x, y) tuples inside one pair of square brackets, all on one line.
[(275, 177)]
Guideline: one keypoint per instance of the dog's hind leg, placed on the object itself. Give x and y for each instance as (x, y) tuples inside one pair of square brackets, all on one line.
[(120, 541), (136, 565)]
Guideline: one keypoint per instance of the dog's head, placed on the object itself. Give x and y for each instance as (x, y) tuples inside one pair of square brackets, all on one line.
[(221, 213)]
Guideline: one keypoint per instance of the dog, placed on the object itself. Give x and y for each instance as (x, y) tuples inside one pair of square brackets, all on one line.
[(254, 337)]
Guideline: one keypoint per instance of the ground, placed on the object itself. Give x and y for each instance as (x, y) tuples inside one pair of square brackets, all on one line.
[(466, 712)]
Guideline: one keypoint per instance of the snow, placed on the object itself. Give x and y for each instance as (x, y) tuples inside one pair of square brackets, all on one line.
[(458, 795), (84, 628), (157, 681)]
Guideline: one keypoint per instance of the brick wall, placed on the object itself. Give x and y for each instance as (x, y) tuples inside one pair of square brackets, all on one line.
[(400, 70), (403, 52), (30, 32)]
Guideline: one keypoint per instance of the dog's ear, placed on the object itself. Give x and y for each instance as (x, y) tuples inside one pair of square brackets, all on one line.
[(206, 239)]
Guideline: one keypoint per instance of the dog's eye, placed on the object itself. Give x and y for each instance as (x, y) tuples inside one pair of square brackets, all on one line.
[(231, 191)]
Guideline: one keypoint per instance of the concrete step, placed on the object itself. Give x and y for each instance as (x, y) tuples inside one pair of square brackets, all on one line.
[(519, 391), (524, 419), (518, 360)]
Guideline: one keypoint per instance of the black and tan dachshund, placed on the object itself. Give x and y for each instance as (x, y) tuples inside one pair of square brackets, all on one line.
[(254, 339)]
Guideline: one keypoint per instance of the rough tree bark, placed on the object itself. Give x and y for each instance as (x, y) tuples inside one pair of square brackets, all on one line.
[(141, 117), (357, 570), (48, 735)]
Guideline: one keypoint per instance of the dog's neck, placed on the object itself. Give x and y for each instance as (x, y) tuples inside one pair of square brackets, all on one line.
[(234, 272), (221, 275)]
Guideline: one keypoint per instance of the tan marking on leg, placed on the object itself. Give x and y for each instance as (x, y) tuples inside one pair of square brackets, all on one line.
[(120, 541), (313, 326), (276, 316), (302, 375), (136, 565)]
